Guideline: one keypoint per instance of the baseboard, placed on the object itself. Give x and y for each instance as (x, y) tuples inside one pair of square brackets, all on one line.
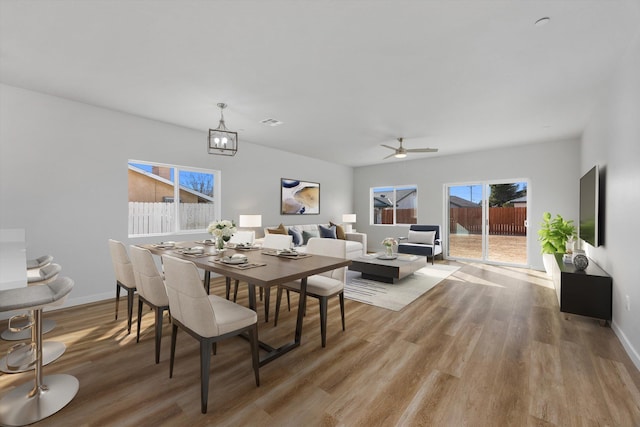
[(631, 351)]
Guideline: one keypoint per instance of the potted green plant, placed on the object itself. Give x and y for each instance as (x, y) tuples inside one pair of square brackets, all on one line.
[(553, 235)]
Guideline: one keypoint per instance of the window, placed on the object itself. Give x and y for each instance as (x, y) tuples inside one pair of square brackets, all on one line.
[(166, 199), (394, 205)]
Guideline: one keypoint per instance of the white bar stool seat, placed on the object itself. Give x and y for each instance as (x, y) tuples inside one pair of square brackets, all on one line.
[(29, 403)]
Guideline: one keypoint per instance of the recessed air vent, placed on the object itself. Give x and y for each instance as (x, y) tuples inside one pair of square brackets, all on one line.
[(271, 122)]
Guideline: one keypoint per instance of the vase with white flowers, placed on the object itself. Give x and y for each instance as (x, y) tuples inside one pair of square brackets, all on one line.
[(222, 231), (388, 244)]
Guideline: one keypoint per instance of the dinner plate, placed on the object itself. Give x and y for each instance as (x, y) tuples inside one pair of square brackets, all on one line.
[(289, 254), (193, 251), (165, 245), (234, 260)]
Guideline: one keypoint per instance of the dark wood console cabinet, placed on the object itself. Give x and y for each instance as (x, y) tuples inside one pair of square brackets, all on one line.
[(587, 293)]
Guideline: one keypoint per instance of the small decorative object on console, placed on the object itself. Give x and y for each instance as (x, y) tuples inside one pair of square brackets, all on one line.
[(580, 261)]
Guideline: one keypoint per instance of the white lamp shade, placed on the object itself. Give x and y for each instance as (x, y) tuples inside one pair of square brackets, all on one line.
[(349, 218), (249, 221)]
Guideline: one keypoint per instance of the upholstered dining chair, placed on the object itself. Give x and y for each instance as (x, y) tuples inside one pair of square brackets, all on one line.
[(243, 236), (207, 318), (240, 237), (278, 242), (125, 278), (324, 285), (151, 290)]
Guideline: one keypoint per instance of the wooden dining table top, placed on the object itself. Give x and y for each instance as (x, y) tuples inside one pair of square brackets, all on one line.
[(272, 271), (276, 269)]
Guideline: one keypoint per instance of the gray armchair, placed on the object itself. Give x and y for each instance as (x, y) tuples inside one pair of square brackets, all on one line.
[(422, 240)]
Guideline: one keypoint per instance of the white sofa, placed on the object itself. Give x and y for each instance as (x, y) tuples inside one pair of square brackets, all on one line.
[(356, 242)]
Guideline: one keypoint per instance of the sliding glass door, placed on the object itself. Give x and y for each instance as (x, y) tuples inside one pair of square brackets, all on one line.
[(488, 222)]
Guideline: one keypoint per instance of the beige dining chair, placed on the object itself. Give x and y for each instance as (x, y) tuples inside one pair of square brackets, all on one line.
[(240, 237), (324, 285), (278, 242), (207, 318), (125, 278), (243, 236), (151, 290)]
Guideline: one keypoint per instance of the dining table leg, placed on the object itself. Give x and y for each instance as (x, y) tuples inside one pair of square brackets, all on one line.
[(302, 306), (252, 296), (207, 280)]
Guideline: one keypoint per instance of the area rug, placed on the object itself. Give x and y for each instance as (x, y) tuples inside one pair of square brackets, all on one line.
[(400, 294)]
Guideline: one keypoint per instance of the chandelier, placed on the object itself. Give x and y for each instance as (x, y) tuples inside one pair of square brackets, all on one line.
[(221, 140)]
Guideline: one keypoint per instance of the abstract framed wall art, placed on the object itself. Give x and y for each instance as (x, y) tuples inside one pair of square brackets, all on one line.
[(299, 197)]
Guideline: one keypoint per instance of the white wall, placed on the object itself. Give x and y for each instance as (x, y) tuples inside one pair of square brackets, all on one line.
[(63, 178), (552, 169), (612, 141)]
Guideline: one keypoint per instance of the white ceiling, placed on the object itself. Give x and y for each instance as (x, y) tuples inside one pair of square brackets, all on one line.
[(343, 76)]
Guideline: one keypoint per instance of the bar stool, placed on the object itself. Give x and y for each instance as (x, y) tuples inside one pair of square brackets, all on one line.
[(29, 403), (20, 357), (45, 273), (39, 262)]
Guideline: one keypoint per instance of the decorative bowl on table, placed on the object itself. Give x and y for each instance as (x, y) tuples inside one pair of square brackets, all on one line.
[(166, 245), (244, 246), (196, 250), (234, 259), (287, 252)]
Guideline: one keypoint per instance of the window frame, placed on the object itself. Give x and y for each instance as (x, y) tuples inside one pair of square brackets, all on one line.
[(395, 189), (177, 169)]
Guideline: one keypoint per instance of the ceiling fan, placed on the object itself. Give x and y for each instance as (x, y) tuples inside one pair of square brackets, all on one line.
[(401, 152)]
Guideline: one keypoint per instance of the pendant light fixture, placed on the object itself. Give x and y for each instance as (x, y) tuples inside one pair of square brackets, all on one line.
[(221, 140)]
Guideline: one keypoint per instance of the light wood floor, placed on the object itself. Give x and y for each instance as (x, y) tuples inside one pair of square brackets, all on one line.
[(486, 347)]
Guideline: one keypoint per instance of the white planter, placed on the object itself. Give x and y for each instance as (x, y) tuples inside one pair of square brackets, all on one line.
[(547, 261)]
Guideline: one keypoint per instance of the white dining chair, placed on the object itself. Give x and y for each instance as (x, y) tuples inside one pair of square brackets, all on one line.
[(125, 278), (277, 242), (243, 236), (151, 290), (207, 318), (324, 285)]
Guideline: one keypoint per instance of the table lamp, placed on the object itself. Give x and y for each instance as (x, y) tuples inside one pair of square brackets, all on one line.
[(250, 221), (348, 219)]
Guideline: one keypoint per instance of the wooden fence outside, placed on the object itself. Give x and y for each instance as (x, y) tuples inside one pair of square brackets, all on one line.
[(502, 221), (403, 216), (159, 218)]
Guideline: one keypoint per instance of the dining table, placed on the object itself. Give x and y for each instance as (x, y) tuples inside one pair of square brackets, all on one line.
[(263, 268)]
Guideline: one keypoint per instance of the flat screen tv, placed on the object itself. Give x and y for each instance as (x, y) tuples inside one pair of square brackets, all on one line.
[(589, 199)]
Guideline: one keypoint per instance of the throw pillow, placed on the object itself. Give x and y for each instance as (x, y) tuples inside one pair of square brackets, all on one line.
[(306, 235), (278, 230), (339, 231), (424, 237), (327, 232), (297, 236)]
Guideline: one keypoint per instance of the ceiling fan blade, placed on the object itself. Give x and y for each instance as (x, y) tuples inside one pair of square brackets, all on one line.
[(388, 146), (390, 155), (421, 150)]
